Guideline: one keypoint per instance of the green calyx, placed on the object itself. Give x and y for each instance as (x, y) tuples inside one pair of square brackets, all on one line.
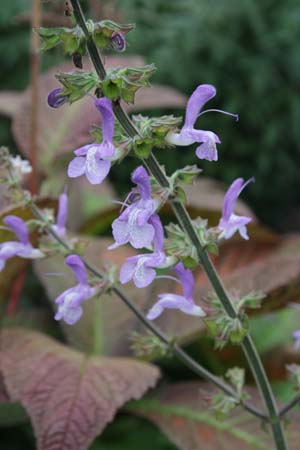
[(104, 30), (124, 83), (222, 404), (77, 84), (73, 39), (186, 175), (156, 128)]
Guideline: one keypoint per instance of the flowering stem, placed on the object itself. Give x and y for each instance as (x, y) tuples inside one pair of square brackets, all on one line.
[(186, 223), (175, 348)]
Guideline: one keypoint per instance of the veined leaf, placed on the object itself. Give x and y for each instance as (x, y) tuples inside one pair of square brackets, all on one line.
[(182, 412), (69, 396)]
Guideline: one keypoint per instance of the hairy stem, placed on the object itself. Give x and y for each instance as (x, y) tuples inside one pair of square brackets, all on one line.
[(34, 111), (186, 223)]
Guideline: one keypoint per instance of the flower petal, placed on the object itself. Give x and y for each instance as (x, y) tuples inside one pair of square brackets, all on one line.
[(187, 280), (197, 100), (120, 231), (143, 276), (76, 167), (231, 196), (62, 211), (76, 264), (96, 169), (127, 271), (235, 223), (82, 151), (172, 301), (159, 232), (208, 151), (141, 178), (19, 227), (141, 236), (104, 105)]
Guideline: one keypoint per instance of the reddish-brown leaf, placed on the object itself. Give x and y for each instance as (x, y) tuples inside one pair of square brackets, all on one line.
[(182, 412), (69, 396), (10, 101), (270, 265)]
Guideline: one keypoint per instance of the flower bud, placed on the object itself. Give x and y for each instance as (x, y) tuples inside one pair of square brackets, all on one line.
[(56, 99), (118, 42)]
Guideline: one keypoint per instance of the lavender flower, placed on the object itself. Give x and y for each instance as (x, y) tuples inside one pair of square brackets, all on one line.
[(118, 42), (184, 303), (23, 248), (69, 302), (62, 214), (94, 160), (188, 134), (229, 222), (138, 223), (296, 336), (140, 268), (56, 98)]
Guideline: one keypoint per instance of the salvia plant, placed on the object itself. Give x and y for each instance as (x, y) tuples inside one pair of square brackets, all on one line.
[(172, 251)]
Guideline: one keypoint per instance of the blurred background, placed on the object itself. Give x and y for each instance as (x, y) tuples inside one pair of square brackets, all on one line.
[(248, 49)]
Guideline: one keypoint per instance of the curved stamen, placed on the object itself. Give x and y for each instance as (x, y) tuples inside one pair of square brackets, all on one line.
[(236, 116), (168, 277)]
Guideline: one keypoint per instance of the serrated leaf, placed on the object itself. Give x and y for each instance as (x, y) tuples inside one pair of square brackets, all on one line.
[(182, 412), (70, 397)]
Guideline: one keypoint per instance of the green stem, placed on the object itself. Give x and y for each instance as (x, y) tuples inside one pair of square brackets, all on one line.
[(290, 405), (175, 348), (186, 223)]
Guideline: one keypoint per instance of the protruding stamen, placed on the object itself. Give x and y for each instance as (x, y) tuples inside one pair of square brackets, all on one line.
[(168, 277), (236, 116)]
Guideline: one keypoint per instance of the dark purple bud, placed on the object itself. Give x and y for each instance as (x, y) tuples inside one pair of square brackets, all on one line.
[(118, 41), (56, 98)]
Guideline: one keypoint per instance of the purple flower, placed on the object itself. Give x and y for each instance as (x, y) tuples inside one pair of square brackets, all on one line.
[(118, 42), (230, 223), (188, 134), (138, 224), (94, 160), (23, 248), (184, 303), (62, 214), (69, 302), (56, 98), (140, 268), (296, 336)]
